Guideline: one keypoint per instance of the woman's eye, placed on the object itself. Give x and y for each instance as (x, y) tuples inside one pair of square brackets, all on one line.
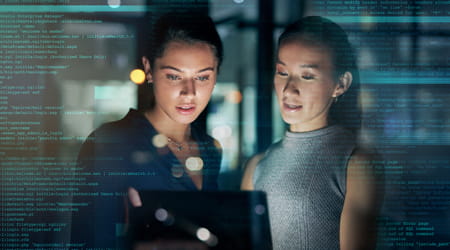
[(202, 78), (173, 77), (281, 73), (308, 77)]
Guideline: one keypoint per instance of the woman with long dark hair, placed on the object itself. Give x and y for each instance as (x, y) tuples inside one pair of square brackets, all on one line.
[(158, 148), (323, 192)]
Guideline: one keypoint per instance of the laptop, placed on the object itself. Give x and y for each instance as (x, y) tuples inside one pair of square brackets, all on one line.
[(200, 220)]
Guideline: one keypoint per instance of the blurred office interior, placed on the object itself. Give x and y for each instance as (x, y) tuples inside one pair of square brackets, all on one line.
[(403, 51), (403, 56), (403, 61)]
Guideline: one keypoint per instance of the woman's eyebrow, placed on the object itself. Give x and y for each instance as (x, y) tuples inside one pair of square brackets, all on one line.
[(205, 69), (313, 66), (179, 70), (280, 62), (170, 67), (309, 65)]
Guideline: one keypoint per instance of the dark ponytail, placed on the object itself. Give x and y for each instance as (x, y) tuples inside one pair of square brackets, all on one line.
[(320, 31)]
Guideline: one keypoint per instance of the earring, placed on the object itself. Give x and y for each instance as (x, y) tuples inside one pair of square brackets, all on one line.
[(335, 99)]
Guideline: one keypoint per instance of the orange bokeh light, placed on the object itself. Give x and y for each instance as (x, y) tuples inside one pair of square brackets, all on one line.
[(234, 96), (137, 76)]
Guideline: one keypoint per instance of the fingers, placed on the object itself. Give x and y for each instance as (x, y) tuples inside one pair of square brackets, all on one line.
[(134, 198)]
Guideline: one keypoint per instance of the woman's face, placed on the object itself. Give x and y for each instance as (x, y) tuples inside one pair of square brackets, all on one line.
[(183, 79), (305, 85)]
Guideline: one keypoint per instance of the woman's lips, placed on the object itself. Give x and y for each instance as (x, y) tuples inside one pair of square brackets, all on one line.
[(186, 109), (291, 107)]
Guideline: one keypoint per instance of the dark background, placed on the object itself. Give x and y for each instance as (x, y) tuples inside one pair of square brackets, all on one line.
[(64, 70)]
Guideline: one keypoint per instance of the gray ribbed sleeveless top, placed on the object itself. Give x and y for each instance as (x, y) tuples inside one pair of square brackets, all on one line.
[(304, 176)]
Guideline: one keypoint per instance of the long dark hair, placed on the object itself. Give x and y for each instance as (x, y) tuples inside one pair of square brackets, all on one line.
[(184, 27), (323, 32), (187, 27)]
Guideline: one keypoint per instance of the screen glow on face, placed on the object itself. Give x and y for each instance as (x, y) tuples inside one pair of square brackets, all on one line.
[(184, 78), (304, 85)]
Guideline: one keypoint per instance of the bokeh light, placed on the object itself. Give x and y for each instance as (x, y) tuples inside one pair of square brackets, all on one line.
[(206, 236), (221, 132), (141, 157), (194, 163), (203, 234), (137, 76), (260, 209), (234, 96), (159, 140), (114, 3), (177, 171), (161, 214)]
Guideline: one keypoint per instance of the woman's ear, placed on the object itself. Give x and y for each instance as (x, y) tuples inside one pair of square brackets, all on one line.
[(344, 83), (147, 69)]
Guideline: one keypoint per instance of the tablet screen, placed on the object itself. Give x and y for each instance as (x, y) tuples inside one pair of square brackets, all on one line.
[(200, 220)]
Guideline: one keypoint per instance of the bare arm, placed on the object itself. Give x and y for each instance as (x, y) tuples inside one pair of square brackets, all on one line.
[(249, 169), (362, 202)]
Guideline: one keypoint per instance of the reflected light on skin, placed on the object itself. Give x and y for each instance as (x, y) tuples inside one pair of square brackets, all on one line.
[(194, 163), (134, 197), (137, 76), (159, 140), (114, 3), (222, 132), (217, 144), (234, 97)]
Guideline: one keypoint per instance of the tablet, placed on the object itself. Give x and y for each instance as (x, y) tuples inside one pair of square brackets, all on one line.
[(200, 220)]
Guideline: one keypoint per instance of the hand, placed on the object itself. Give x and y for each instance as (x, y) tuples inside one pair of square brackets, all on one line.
[(134, 197)]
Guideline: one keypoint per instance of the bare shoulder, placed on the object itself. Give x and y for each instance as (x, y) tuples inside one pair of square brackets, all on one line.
[(217, 145), (363, 197), (365, 177), (254, 160), (249, 169), (365, 161)]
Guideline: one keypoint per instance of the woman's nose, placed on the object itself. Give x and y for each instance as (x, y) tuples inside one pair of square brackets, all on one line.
[(291, 88), (188, 87)]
